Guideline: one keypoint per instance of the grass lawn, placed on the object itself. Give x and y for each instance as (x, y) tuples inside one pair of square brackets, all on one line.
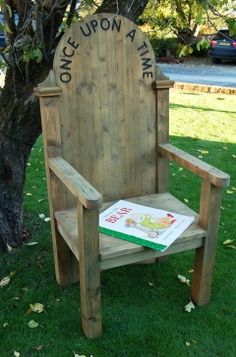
[(143, 306)]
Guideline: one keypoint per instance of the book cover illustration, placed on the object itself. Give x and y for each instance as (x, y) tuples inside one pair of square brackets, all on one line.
[(150, 227)]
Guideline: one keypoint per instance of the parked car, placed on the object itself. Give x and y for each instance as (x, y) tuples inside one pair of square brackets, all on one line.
[(223, 46), (2, 35)]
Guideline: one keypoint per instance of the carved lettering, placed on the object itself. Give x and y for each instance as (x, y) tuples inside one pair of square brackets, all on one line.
[(68, 54), (105, 24), (72, 43), (65, 77), (116, 24), (131, 34), (144, 45), (66, 64), (89, 31), (94, 24), (147, 74), (145, 63)]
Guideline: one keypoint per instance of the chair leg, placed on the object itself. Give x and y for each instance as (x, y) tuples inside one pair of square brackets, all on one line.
[(90, 294), (205, 256), (66, 265)]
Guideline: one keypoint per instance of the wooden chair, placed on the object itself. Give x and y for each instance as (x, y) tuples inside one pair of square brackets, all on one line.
[(104, 110)]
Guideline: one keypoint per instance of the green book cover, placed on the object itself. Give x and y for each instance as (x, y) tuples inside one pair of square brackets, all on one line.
[(150, 227)]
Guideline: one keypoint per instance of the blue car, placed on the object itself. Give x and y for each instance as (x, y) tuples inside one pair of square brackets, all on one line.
[(223, 47), (2, 35)]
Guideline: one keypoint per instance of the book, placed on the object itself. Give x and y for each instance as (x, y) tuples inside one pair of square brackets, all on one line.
[(150, 227)]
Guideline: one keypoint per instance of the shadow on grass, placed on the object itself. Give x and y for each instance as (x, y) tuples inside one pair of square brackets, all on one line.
[(143, 306), (204, 109)]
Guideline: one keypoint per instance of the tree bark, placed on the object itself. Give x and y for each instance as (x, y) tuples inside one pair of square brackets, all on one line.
[(131, 8), (20, 117), (19, 129)]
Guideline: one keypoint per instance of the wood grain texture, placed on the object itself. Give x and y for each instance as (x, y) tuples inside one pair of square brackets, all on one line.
[(105, 119), (89, 271), (162, 129), (199, 167), (66, 265), (205, 256), (107, 109), (117, 249), (78, 186)]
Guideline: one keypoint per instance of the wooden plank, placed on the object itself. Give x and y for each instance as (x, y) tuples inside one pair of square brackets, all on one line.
[(205, 256), (202, 169), (89, 271), (162, 104), (113, 248), (163, 83), (66, 265), (148, 254), (107, 107), (80, 188)]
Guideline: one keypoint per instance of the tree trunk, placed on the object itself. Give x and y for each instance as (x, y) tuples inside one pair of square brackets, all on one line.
[(131, 8), (19, 128), (20, 123)]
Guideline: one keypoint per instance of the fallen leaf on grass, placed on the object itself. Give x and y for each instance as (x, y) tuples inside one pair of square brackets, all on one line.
[(16, 354), (231, 246), (203, 151), (37, 307), (76, 355), (32, 243), (183, 279), (39, 347), (5, 281), (43, 217), (186, 200), (188, 343), (32, 324), (5, 324), (190, 306), (41, 200), (228, 241), (28, 194), (229, 192), (9, 248), (150, 284)]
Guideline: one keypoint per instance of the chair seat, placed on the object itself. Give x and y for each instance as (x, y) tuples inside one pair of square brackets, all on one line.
[(116, 252)]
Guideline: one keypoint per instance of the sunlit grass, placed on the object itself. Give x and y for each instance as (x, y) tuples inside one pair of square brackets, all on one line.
[(139, 318)]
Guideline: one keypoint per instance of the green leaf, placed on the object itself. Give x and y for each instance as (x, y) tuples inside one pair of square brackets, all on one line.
[(32, 324), (7, 28), (37, 55), (9, 10)]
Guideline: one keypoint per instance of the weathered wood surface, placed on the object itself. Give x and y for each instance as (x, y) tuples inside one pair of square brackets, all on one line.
[(90, 294), (199, 167), (78, 186), (105, 68), (117, 249), (105, 119), (205, 256), (66, 266)]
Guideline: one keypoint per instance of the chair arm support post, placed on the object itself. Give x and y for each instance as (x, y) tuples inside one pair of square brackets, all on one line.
[(199, 167), (209, 217), (90, 286), (77, 184)]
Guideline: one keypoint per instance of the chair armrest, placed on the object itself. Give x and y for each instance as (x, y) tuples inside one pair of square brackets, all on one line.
[(78, 186), (199, 167)]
